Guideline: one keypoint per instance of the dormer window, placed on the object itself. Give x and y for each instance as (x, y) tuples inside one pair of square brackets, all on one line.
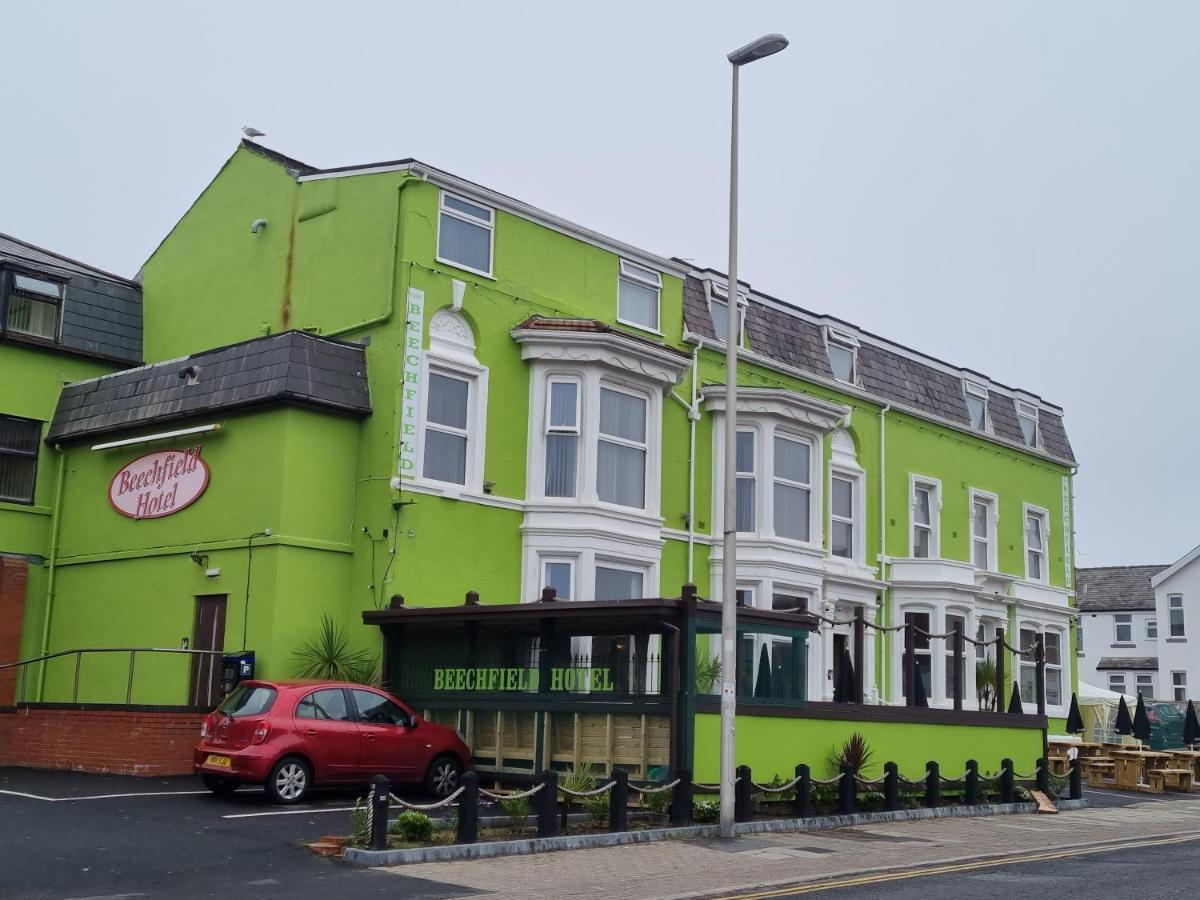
[(1027, 417), (34, 307), (638, 292), (843, 354), (718, 309), (465, 233), (977, 404)]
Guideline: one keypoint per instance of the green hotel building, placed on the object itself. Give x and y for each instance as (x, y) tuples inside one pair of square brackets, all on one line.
[(367, 393)]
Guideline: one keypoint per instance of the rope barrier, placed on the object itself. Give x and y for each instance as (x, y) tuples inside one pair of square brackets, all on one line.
[(777, 788), (835, 778), (656, 790), (834, 622), (513, 796), (422, 807), (712, 787), (596, 792)]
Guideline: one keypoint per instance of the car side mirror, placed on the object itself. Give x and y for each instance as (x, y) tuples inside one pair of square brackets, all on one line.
[(413, 721)]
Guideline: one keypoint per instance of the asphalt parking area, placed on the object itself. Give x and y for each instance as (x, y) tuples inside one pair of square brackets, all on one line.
[(70, 835)]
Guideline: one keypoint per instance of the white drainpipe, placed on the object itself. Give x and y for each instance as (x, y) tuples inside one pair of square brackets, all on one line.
[(693, 416)]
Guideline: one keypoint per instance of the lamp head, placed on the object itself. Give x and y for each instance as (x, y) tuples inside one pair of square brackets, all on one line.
[(767, 45)]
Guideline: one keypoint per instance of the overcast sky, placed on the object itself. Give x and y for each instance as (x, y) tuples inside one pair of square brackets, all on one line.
[(1012, 187)]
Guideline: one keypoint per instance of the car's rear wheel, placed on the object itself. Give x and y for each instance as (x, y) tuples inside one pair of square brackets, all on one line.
[(219, 785), (290, 780), (443, 776)]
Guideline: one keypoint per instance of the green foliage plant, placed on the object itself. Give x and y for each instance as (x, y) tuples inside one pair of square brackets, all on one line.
[(328, 657), (413, 826)]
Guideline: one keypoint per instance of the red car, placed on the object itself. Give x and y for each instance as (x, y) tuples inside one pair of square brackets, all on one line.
[(292, 735)]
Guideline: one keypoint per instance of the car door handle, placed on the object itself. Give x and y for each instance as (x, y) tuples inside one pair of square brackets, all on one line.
[(311, 732), (369, 737)]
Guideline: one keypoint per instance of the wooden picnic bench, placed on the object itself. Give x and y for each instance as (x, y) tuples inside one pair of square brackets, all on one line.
[(1096, 770), (1177, 779)]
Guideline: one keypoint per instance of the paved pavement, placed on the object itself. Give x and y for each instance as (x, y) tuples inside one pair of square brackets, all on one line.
[(767, 865)]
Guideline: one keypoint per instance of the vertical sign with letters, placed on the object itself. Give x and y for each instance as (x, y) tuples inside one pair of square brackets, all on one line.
[(1068, 533), (410, 390)]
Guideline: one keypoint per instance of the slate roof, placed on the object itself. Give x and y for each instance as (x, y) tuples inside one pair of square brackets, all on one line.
[(1139, 663), (101, 313), (1115, 588), (289, 367), (889, 376)]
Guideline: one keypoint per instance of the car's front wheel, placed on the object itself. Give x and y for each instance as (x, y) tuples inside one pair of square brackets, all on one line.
[(290, 780), (443, 776), (219, 785)]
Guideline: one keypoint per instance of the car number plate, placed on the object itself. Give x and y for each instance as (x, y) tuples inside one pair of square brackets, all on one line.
[(221, 762)]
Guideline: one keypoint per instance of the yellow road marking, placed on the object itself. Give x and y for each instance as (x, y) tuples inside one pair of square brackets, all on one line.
[(812, 888)]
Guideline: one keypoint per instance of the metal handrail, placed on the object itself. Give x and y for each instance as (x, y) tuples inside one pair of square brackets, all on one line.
[(78, 654)]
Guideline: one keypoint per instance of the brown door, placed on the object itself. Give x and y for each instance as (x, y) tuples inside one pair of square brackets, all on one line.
[(208, 633)]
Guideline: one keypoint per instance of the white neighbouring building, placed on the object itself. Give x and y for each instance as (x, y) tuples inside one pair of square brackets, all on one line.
[(1133, 623)]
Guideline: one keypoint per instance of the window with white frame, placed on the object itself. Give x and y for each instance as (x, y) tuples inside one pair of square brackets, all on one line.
[(560, 575), (447, 414), (1028, 665), (1035, 544), (19, 441), (792, 487), (1116, 682), (1054, 675), (747, 483), (926, 508), (1079, 636), (1144, 682), (843, 354), (1179, 687), (983, 531), (1152, 629), (465, 232), (1175, 611), (922, 652), (977, 405), (638, 293), (562, 437), (621, 448), (1123, 628), (953, 621), (843, 506), (615, 582), (1027, 418), (34, 307), (718, 310)]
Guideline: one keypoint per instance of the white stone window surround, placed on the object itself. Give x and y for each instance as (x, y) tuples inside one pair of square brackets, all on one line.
[(934, 488), (770, 412), (586, 553), (993, 520), (452, 353), (1041, 513), (1041, 622)]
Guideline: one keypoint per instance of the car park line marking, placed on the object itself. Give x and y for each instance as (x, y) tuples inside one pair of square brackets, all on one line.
[(290, 812), (102, 796)]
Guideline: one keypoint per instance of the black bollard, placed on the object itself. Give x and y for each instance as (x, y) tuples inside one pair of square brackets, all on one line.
[(1043, 777), (468, 809), (378, 799), (1008, 792), (847, 785), (681, 799), (933, 786), (618, 801), (547, 804), (971, 787), (741, 794), (1076, 780), (891, 786), (803, 792)]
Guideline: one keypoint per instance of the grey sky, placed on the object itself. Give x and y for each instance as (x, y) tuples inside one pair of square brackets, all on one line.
[(1008, 186)]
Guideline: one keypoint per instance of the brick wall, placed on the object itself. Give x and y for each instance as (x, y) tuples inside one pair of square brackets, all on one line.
[(13, 574), (126, 741)]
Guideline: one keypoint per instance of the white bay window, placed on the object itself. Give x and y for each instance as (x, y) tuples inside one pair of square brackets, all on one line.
[(747, 483), (621, 449), (562, 438), (792, 489)]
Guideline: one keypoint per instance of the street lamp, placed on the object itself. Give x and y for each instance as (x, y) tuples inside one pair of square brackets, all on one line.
[(766, 45)]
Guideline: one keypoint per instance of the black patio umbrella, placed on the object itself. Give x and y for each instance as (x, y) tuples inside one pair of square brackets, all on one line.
[(1074, 719), (762, 685), (1191, 727), (1014, 702), (845, 686), (920, 698), (1124, 722), (1141, 722)]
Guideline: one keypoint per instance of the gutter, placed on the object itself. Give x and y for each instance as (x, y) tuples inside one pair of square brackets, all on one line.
[(693, 411), (884, 672), (51, 564)]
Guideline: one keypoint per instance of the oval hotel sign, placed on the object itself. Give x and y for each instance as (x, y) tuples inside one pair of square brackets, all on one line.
[(159, 484)]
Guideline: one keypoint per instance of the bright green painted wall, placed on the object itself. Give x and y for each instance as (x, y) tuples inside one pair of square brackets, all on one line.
[(775, 746)]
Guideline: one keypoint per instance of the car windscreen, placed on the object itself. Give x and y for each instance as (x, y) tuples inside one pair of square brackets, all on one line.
[(247, 700)]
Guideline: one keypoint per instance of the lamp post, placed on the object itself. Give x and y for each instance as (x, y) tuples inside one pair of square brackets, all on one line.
[(764, 46)]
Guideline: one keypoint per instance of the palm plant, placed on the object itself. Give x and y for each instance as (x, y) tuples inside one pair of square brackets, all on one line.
[(985, 677), (855, 753), (708, 673), (328, 656)]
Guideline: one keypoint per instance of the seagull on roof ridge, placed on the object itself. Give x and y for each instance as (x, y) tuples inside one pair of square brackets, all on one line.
[(251, 132)]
